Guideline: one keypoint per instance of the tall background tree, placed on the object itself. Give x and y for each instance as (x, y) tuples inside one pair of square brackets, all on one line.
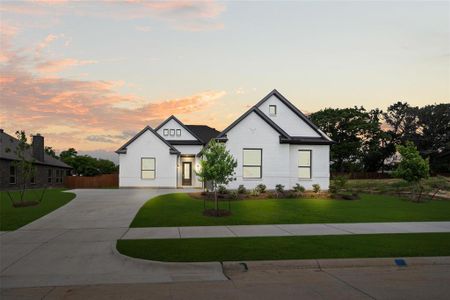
[(86, 165)]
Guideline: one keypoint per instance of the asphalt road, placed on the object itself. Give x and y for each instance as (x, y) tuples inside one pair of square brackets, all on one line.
[(376, 282)]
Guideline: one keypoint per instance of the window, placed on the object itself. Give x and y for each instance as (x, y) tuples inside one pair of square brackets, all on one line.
[(56, 176), (172, 132), (166, 132), (304, 164), (33, 179), (252, 163), (178, 132), (59, 176), (49, 176), (272, 110), (12, 174), (148, 167)]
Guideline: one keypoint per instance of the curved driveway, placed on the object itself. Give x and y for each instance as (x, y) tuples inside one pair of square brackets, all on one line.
[(74, 245)]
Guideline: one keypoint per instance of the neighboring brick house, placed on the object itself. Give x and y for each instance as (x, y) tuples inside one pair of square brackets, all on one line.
[(49, 171)]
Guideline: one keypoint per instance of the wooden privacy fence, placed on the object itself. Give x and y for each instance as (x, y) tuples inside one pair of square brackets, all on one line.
[(89, 182), (361, 175)]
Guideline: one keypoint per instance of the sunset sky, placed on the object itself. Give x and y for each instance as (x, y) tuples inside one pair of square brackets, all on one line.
[(91, 74)]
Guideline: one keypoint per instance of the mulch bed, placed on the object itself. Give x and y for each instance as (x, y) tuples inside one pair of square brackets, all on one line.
[(216, 213), (25, 203)]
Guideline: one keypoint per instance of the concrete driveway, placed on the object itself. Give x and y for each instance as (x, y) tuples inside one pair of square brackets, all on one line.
[(75, 245)]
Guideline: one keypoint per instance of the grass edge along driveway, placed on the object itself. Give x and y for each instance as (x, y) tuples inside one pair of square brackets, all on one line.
[(295, 247), (182, 210), (12, 218)]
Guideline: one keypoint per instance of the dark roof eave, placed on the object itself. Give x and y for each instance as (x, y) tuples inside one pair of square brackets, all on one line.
[(40, 163), (184, 142), (306, 141)]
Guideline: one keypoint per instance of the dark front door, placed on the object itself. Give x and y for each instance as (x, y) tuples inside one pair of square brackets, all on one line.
[(187, 173)]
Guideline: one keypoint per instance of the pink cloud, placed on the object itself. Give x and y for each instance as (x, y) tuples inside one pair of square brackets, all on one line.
[(54, 66), (181, 15)]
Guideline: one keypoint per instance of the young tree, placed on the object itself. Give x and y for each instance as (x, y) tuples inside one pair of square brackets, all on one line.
[(412, 168), (217, 167), (24, 165)]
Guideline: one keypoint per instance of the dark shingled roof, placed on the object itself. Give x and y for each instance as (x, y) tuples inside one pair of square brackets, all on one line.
[(8, 145), (203, 132)]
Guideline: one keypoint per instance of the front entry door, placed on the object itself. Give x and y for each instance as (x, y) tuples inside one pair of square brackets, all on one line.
[(187, 173)]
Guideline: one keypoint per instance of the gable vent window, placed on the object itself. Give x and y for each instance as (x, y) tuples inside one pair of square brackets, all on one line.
[(178, 132), (172, 132), (304, 164), (252, 163), (272, 110), (148, 168), (166, 132)]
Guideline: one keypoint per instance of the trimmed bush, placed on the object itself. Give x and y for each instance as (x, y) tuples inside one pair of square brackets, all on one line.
[(261, 188), (222, 189), (241, 189), (316, 188)]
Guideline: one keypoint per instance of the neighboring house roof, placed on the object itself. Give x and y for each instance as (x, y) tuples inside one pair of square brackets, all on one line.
[(284, 137), (123, 149), (8, 145), (205, 133)]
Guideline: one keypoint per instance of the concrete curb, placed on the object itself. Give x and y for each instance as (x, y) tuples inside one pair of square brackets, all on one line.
[(333, 263), (195, 266)]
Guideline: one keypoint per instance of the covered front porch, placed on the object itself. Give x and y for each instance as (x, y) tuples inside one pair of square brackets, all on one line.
[(187, 165)]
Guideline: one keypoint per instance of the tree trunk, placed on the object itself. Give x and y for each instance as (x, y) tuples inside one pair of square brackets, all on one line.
[(216, 202)]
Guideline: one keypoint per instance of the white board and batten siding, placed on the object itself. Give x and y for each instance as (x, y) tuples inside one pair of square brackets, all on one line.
[(147, 145), (287, 119), (174, 126)]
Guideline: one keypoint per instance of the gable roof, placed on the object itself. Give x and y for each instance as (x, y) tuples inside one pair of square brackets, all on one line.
[(294, 109), (222, 135), (123, 149), (9, 143), (172, 117), (205, 133), (284, 137)]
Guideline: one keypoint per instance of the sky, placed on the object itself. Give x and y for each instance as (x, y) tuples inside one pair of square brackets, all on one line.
[(91, 74)]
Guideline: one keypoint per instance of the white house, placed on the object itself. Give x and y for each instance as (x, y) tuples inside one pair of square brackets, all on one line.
[(273, 142)]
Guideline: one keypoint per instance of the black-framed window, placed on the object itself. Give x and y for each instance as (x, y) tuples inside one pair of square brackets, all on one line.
[(172, 132), (166, 132), (272, 110), (49, 175), (252, 163), (12, 174), (148, 168), (56, 176), (178, 132), (304, 164), (33, 178)]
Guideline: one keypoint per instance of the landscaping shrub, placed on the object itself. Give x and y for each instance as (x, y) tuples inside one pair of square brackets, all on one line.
[(254, 193), (298, 190), (241, 189), (261, 188), (234, 195), (340, 183), (279, 190), (316, 188), (222, 189)]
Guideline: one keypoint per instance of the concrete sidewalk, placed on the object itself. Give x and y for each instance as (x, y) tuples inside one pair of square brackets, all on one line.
[(284, 230)]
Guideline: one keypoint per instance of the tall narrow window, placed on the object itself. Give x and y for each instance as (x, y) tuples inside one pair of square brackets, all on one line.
[(172, 132), (49, 176), (166, 132), (304, 164), (56, 176), (12, 174), (272, 110), (148, 168), (252, 163), (178, 132)]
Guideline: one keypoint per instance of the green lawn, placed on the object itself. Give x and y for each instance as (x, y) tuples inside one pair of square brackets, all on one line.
[(294, 247), (183, 210), (12, 218)]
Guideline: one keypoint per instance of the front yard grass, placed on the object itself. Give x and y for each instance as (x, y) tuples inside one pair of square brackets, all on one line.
[(182, 210), (12, 218), (293, 247)]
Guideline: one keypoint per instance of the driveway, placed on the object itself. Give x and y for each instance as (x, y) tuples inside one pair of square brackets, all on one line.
[(75, 245)]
